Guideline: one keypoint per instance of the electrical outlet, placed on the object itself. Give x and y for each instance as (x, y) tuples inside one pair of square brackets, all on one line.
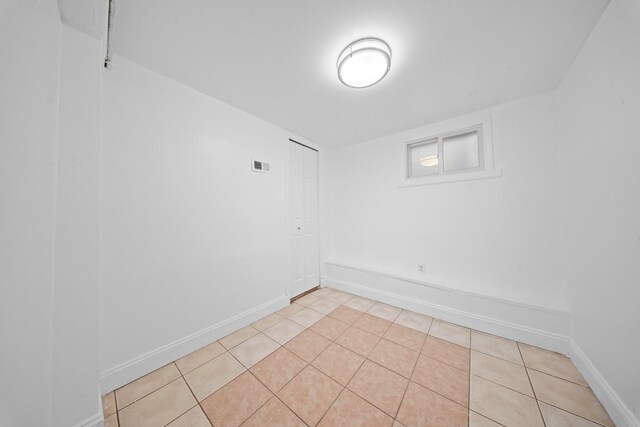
[(421, 268)]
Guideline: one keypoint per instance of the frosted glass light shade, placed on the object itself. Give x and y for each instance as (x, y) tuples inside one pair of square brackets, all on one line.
[(429, 161), (364, 63)]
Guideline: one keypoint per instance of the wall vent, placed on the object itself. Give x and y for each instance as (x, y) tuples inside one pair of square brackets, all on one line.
[(259, 166)]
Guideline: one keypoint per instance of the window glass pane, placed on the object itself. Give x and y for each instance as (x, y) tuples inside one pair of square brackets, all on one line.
[(423, 158), (461, 151)]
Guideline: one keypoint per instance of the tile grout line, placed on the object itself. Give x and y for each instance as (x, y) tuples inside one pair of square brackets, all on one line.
[(558, 407), (532, 389), (360, 367), (409, 382), (194, 396), (307, 364), (279, 346), (241, 364), (334, 400), (366, 358), (227, 350), (151, 392), (311, 364), (115, 399), (241, 342), (469, 381), (504, 386), (331, 406), (158, 389), (557, 377), (569, 412), (484, 416)]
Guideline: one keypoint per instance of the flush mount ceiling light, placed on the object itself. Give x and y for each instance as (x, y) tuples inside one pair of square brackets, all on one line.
[(429, 161), (364, 62)]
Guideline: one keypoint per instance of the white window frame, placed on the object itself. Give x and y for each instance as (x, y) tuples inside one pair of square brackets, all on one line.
[(439, 131)]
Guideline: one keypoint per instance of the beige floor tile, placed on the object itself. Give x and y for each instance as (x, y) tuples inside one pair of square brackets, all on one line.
[(306, 317), (406, 337), (238, 337), (376, 325), (324, 306), (284, 331), (351, 410), (392, 356), (447, 352), (496, 346), (477, 420), (551, 363), (359, 303), (508, 374), (338, 363), (422, 407), (290, 309), (450, 332), (214, 374), (385, 311), (503, 405), (339, 297), (569, 396), (310, 394), (111, 421), (274, 413), (160, 407), (254, 350), (379, 386), (555, 417), (199, 357), (267, 322), (329, 328), (416, 321), (278, 368), (346, 314), (323, 292), (236, 402), (307, 299), (194, 417), (307, 345), (444, 379), (141, 387), (397, 423), (359, 341), (109, 404)]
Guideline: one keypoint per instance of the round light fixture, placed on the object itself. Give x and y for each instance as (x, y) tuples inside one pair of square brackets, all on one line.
[(364, 62), (429, 161)]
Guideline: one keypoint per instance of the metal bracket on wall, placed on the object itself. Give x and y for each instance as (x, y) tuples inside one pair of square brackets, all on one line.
[(110, 15)]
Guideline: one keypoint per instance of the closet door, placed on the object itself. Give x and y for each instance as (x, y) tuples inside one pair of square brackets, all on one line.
[(303, 202)]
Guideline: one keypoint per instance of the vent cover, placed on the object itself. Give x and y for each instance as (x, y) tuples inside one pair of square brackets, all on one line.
[(259, 166)]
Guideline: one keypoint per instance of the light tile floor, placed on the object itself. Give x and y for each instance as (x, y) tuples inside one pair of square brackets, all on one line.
[(335, 359)]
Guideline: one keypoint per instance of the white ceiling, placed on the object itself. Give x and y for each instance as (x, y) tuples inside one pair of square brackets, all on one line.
[(276, 59)]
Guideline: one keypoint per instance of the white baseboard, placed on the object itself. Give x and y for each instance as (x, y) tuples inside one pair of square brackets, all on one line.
[(539, 326), (619, 412), (96, 420), (135, 368)]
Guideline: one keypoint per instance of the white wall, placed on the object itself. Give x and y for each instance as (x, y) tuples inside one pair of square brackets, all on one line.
[(599, 135), (496, 237), (29, 78), (75, 309), (49, 138), (190, 236)]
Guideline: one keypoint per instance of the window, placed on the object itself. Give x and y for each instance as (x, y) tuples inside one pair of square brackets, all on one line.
[(452, 152)]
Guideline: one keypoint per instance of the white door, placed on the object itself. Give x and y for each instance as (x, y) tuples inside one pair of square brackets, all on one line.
[(303, 198)]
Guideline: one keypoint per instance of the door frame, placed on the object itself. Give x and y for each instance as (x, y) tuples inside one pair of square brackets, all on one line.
[(288, 216)]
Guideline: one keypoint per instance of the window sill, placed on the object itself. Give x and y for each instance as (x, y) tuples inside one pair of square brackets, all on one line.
[(457, 177)]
